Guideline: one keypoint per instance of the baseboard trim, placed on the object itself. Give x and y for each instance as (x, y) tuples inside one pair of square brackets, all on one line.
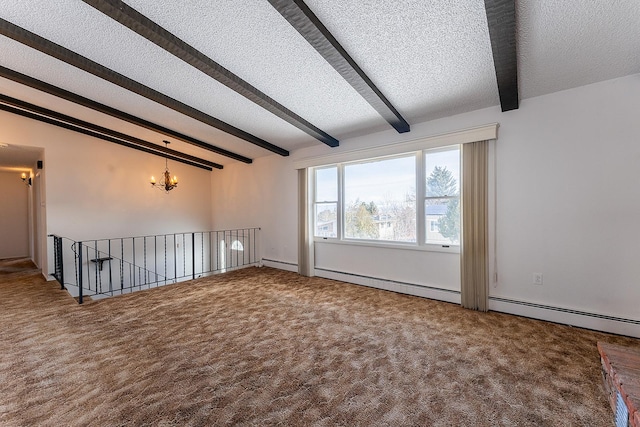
[(579, 318), (424, 291), (282, 265)]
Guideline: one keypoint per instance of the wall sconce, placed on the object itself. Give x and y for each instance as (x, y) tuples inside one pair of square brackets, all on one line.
[(26, 180)]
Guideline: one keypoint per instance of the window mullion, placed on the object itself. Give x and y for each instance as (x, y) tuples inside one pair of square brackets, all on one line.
[(421, 191), (340, 205)]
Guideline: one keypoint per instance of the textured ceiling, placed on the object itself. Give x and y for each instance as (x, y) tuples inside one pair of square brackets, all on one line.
[(430, 59)]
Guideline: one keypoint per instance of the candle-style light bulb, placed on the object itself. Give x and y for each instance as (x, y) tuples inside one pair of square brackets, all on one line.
[(24, 176), (153, 180)]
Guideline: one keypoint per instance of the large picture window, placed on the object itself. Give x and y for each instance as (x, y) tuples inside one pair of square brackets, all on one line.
[(409, 199)]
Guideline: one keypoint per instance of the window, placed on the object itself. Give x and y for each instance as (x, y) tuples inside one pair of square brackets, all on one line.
[(326, 202), (381, 200), (442, 195)]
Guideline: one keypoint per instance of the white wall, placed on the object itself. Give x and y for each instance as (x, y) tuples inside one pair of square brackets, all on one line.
[(96, 189), (261, 194), (14, 216), (568, 204)]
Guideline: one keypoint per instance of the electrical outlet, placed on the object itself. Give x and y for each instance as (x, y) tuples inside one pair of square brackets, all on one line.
[(537, 278)]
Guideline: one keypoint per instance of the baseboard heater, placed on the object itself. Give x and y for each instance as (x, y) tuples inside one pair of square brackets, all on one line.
[(565, 310), (397, 282)]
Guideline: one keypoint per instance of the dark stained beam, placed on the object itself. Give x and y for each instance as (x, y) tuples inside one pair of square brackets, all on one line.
[(309, 26), (86, 102), (67, 126), (59, 52), (501, 17), (45, 115), (142, 25)]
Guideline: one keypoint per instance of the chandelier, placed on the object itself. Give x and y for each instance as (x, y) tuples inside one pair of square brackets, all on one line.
[(168, 183)]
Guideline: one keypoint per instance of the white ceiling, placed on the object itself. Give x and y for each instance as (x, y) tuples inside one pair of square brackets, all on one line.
[(430, 59)]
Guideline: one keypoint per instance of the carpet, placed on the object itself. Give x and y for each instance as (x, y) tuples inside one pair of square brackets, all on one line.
[(260, 346)]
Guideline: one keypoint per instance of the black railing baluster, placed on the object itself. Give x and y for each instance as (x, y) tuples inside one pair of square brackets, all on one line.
[(193, 255), (110, 272), (212, 263), (121, 265), (133, 245), (80, 272), (95, 256), (175, 259), (217, 251), (88, 270), (155, 259), (144, 255), (184, 256)]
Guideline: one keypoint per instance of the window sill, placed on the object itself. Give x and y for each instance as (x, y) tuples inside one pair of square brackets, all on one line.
[(455, 249)]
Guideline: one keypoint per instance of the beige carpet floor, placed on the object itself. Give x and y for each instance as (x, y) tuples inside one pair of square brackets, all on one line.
[(260, 346)]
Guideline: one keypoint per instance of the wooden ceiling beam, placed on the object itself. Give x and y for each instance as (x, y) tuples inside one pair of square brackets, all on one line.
[(298, 14), (137, 22), (501, 18), (86, 102), (72, 58), (45, 115)]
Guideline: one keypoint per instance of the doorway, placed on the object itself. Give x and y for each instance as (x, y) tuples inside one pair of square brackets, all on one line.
[(22, 207)]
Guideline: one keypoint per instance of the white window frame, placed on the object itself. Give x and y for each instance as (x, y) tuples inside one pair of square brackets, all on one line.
[(316, 202), (341, 194), (421, 222), (424, 189)]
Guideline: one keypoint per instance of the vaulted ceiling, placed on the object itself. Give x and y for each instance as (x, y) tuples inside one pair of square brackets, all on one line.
[(233, 80)]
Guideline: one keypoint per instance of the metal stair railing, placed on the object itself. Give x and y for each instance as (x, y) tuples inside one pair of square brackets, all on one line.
[(131, 277), (108, 267)]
